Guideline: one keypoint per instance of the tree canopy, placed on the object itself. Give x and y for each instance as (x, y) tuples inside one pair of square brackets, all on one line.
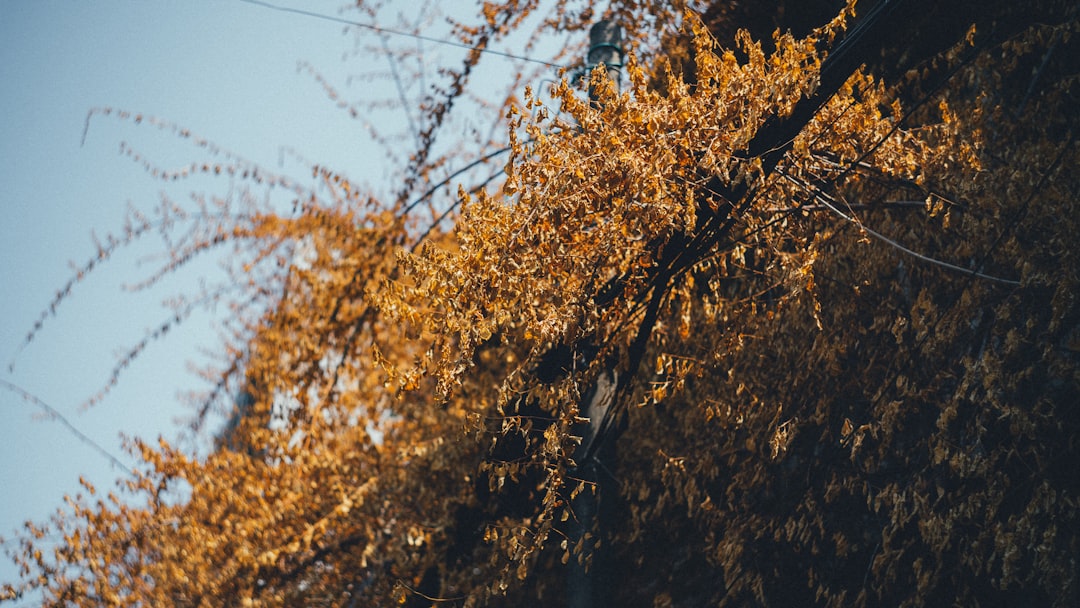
[(790, 318)]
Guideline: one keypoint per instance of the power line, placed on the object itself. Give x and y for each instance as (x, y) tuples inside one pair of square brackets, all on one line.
[(56, 415), (383, 30)]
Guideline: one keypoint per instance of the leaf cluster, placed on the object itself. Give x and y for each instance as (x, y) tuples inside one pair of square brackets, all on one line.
[(844, 368)]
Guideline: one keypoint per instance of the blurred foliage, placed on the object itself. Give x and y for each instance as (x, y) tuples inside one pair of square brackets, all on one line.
[(845, 361)]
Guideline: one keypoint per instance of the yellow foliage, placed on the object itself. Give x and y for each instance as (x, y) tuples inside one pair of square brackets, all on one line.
[(853, 352)]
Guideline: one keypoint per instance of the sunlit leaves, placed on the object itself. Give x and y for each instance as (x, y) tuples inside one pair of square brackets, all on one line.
[(803, 395)]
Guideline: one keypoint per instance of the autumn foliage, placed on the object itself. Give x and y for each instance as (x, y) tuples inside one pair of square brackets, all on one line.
[(845, 361)]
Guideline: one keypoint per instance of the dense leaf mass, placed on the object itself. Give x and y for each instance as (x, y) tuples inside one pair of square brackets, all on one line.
[(844, 364)]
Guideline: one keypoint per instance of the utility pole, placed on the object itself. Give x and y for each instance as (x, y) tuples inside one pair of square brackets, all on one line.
[(605, 48)]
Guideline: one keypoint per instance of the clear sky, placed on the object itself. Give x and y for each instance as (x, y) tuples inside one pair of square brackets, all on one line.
[(226, 70)]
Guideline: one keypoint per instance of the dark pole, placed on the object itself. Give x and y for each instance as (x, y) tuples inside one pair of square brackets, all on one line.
[(605, 48)]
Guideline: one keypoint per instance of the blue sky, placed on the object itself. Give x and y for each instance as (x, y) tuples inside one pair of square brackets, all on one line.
[(224, 69)]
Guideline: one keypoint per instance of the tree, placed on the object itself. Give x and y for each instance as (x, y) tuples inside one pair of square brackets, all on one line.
[(834, 307)]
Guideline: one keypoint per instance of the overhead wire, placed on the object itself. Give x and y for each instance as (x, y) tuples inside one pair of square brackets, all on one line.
[(388, 31), (56, 415)]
